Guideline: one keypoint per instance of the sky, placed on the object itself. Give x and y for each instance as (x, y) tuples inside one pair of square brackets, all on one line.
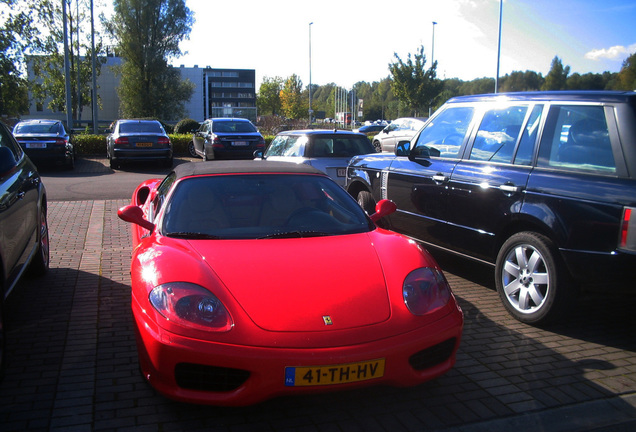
[(356, 40)]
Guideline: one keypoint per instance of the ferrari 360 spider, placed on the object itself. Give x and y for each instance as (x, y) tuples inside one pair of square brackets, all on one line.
[(255, 279)]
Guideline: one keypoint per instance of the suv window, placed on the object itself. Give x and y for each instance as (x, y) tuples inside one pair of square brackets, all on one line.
[(285, 145), (498, 133), (576, 137), (444, 135)]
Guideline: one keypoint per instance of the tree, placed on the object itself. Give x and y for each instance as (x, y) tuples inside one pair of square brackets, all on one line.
[(16, 34), (291, 98), (48, 67), (268, 99), (627, 74), (148, 33), (414, 85), (557, 78)]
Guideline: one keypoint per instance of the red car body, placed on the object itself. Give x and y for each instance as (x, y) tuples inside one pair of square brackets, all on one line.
[(298, 312)]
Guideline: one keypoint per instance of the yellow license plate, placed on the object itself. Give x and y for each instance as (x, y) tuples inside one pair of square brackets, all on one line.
[(334, 374), (144, 144)]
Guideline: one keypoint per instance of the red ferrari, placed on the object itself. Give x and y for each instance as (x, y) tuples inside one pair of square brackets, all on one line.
[(255, 279)]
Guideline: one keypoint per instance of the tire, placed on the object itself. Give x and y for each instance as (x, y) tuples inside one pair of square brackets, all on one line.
[(192, 150), (366, 201), (40, 263), (531, 278), (377, 146), (114, 164)]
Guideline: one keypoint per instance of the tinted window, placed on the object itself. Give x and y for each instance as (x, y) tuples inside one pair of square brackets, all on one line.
[(529, 137), (339, 146), (498, 133), (6, 141), (38, 128), (140, 127), (232, 126), (444, 135), (576, 137)]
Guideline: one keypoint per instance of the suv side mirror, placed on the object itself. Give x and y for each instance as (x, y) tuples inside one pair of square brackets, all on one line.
[(423, 152)]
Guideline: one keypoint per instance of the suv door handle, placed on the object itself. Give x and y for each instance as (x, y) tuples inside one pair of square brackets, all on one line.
[(510, 188), (440, 178)]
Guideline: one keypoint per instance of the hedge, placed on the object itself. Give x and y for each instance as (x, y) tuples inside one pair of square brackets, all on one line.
[(87, 144)]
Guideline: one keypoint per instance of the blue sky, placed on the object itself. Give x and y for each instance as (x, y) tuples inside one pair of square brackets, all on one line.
[(356, 40)]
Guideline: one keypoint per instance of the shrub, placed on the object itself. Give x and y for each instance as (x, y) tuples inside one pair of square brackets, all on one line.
[(186, 126)]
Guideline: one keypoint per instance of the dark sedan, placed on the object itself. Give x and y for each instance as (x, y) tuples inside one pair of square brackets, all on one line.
[(24, 235), (138, 140), (45, 142), (226, 138)]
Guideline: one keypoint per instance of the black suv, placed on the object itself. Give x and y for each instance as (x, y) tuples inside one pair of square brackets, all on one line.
[(541, 185)]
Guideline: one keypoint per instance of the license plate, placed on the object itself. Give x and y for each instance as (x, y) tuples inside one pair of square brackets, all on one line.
[(334, 374), (240, 143), (143, 144), (36, 145), (342, 172)]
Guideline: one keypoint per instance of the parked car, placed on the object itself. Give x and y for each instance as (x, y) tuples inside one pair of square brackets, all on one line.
[(327, 150), (254, 279), (371, 129), (226, 138), (398, 130), (24, 234), (542, 186), (138, 140), (46, 142)]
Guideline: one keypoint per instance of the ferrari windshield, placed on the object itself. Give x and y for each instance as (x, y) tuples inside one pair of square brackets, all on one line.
[(261, 206)]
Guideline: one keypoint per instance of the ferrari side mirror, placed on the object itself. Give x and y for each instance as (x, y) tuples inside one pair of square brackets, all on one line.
[(383, 208), (134, 214)]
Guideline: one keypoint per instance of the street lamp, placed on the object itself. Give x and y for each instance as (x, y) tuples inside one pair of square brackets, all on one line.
[(433, 45), (430, 109), (310, 110), (498, 47)]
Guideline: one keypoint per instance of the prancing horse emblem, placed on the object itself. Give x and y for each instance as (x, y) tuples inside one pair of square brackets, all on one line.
[(327, 320)]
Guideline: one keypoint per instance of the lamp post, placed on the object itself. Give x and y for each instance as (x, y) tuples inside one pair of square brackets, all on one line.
[(430, 109), (433, 45), (310, 110), (498, 47)]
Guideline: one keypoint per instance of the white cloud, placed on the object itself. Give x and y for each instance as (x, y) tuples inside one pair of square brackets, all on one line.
[(617, 52)]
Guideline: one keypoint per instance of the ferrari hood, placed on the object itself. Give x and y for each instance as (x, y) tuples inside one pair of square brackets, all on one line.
[(307, 284)]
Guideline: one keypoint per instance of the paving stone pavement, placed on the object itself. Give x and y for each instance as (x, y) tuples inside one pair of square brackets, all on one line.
[(72, 362)]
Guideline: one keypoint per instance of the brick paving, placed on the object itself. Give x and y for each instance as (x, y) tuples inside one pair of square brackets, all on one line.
[(72, 362)]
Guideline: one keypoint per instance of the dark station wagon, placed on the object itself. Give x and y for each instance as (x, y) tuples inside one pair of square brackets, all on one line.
[(540, 185)]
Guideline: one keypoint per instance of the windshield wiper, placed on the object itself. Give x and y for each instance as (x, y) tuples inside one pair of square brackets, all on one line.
[(295, 234), (193, 235)]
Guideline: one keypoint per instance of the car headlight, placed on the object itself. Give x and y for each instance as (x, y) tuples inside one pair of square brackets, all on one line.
[(425, 290), (191, 305)]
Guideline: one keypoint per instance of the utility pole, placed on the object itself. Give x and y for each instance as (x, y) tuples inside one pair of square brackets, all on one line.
[(67, 72)]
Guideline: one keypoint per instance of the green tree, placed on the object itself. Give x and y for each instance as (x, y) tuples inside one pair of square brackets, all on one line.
[(556, 79), (291, 99), (148, 33), (413, 84), (48, 67), (627, 74), (17, 33), (268, 98)]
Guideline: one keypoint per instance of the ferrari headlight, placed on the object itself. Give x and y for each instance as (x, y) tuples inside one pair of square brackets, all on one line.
[(190, 305), (425, 290)]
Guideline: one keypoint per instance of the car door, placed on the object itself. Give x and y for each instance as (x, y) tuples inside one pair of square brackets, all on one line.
[(18, 208), (488, 184), (200, 137), (582, 177), (419, 184)]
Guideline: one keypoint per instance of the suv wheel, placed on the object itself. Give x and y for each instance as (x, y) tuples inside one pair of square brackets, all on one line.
[(366, 201), (531, 280), (40, 263), (378, 146)]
